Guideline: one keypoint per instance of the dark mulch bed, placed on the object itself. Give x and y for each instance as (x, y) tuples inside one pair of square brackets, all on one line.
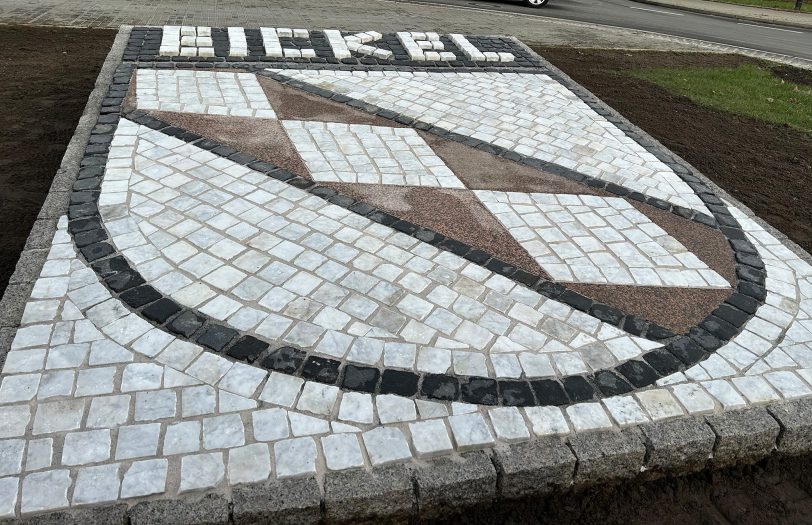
[(766, 166), (46, 75)]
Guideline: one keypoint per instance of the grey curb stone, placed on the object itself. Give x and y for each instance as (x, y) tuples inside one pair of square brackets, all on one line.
[(534, 468), (795, 418), (743, 436), (42, 233), (102, 515), (290, 501), (63, 180), (678, 446), (55, 205), (607, 456), (29, 266), (366, 496), (6, 337), (211, 509), (453, 483)]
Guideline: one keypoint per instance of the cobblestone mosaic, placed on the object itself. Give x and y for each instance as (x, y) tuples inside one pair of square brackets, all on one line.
[(336, 152), (206, 319), (220, 93), (597, 240)]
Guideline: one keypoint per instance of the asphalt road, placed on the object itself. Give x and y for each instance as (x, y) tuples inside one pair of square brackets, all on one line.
[(624, 13)]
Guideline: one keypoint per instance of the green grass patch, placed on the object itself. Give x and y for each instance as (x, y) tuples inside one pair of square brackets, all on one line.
[(747, 90), (788, 5)]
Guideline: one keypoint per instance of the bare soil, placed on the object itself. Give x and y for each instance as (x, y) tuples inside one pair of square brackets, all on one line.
[(46, 75)]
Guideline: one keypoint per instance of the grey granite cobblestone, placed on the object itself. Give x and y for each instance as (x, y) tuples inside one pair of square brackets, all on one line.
[(534, 468), (678, 446), (367, 496), (291, 501), (743, 436), (449, 484), (607, 456), (795, 420)]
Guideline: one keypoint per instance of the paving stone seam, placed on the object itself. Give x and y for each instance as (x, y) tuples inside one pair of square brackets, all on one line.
[(84, 219)]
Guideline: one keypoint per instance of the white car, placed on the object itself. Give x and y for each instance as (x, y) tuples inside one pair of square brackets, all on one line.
[(536, 3)]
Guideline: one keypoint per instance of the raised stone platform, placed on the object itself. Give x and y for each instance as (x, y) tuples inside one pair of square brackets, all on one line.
[(307, 274)]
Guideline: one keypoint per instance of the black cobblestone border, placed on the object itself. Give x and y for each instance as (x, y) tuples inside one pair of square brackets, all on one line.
[(679, 353)]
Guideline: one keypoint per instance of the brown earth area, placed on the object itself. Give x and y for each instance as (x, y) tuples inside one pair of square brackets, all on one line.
[(46, 75), (454, 213), (766, 166)]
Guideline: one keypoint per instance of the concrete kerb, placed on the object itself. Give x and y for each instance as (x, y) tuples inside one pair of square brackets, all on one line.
[(796, 426), (737, 16), (424, 489)]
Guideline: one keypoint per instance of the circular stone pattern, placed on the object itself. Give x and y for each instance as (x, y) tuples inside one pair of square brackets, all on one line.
[(263, 266)]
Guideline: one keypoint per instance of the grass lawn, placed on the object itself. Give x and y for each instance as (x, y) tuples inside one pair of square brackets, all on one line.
[(747, 89), (776, 4)]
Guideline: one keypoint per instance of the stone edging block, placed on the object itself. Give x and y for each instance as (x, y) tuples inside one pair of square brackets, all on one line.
[(363, 496), (743, 436), (534, 468), (101, 515), (288, 501), (607, 456), (211, 509), (678, 446), (796, 426), (452, 483)]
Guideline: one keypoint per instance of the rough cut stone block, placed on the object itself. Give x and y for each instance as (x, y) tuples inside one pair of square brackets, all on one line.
[(534, 468), (289, 501), (209, 510), (448, 484), (604, 456), (100, 515), (363, 496), (795, 419), (743, 436), (678, 446)]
